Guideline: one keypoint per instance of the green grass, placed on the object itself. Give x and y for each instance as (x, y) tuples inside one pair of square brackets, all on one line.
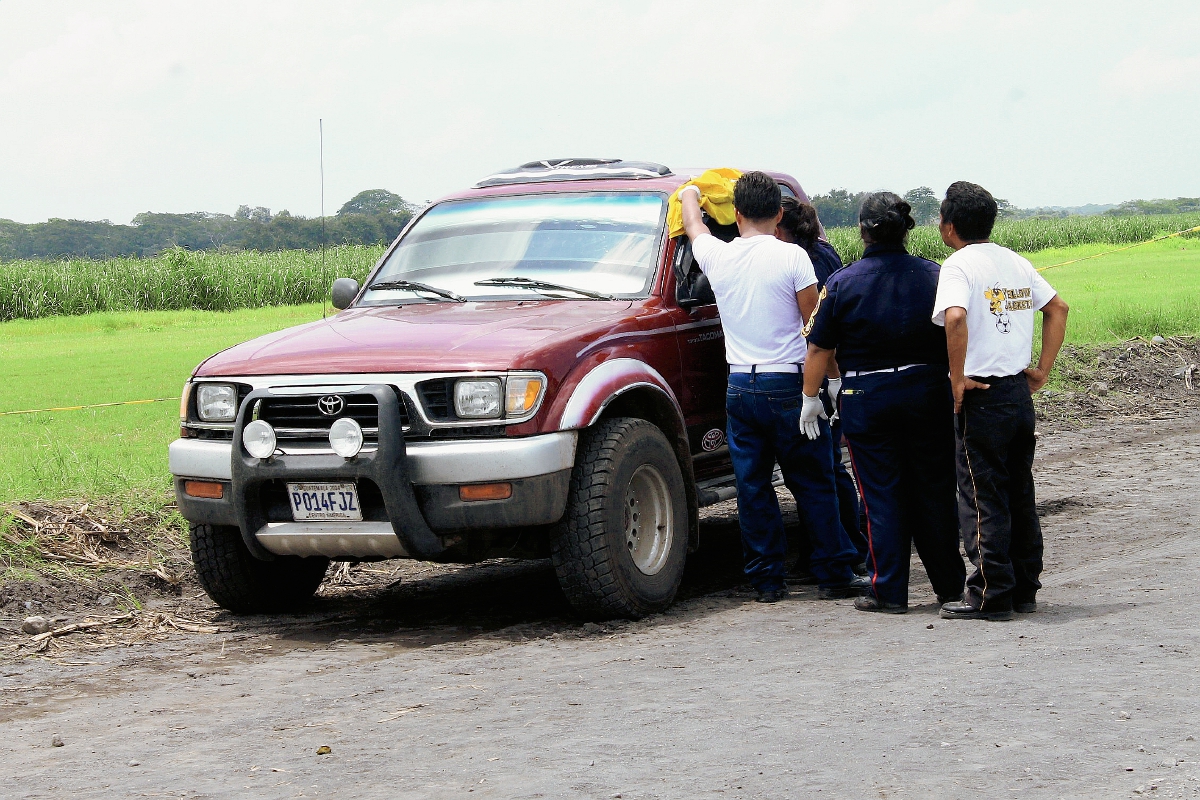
[(100, 358), (1149, 290), (1034, 235), (176, 280)]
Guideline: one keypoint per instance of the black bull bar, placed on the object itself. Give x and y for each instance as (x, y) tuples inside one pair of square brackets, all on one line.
[(386, 467)]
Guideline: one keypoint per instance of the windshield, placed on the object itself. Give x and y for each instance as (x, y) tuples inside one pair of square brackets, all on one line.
[(603, 243)]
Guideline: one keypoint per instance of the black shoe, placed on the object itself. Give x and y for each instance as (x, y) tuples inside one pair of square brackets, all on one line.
[(771, 596), (856, 587), (1028, 607), (871, 603), (802, 577), (964, 610), (942, 599), (860, 568)]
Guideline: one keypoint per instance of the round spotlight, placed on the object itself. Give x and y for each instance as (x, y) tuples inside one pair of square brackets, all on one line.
[(259, 439), (346, 437)]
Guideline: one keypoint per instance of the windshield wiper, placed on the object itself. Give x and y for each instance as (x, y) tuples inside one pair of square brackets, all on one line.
[(413, 286), (530, 283)]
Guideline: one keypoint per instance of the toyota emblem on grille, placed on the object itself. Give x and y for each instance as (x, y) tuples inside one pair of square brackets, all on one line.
[(331, 405)]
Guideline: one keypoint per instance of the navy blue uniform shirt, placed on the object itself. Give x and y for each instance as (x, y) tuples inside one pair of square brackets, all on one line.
[(825, 261), (877, 312)]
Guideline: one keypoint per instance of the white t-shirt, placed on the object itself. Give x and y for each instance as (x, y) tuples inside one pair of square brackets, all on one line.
[(755, 281), (1000, 291)]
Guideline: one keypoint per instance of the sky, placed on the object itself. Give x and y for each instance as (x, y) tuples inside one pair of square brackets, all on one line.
[(108, 109)]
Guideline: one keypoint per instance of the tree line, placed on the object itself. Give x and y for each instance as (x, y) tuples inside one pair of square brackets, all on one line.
[(370, 217), (377, 216), (839, 207)]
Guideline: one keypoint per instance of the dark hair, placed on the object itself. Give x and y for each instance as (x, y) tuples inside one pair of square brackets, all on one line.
[(885, 218), (756, 196), (800, 222), (971, 209)]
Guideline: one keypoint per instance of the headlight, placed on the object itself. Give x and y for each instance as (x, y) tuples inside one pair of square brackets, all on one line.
[(259, 439), (346, 437), (477, 399), (216, 402), (522, 395)]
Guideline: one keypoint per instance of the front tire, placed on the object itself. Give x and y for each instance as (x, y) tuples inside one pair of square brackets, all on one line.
[(243, 584), (621, 548)]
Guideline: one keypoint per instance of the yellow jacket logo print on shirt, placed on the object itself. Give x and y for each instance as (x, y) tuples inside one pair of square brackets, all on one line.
[(1001, 301)]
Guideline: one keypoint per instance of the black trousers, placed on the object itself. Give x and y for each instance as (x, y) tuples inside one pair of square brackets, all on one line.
[(899, 428), (997, 510)]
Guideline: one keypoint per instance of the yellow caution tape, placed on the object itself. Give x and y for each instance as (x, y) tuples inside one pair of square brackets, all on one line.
[(93, 405), (1120, 249)]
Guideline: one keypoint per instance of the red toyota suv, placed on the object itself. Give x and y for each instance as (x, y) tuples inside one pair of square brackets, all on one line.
[(533, 369)]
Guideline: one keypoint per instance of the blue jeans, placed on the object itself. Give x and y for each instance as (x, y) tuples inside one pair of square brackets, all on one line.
[(764, 428)]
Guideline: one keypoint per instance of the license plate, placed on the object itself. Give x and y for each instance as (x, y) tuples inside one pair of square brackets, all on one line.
[(324, 501)]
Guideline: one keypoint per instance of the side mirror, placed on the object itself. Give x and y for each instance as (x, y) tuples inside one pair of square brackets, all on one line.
[(344, 292)]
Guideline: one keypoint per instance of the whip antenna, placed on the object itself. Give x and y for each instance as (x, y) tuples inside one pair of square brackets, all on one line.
[(324, 283)]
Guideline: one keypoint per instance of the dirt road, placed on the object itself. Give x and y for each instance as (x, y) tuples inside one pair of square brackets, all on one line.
[(479, 682)]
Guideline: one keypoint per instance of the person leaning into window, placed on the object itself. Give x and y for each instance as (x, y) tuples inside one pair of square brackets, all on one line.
[(895, 405), (765, 288), (987, 297), (801, 226)]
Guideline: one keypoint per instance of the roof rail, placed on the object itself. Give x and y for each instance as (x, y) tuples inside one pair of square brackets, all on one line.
[(575, 169)]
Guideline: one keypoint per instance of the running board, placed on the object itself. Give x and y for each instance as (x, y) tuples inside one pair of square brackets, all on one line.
[(718, 490)]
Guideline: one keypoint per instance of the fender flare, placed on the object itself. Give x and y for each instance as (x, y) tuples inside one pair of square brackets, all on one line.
[(604, 383)]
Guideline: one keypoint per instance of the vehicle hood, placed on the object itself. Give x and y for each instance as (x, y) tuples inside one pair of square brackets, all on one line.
[(418, 337)]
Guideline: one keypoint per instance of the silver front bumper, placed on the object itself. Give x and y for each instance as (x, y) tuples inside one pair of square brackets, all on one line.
[(429, 463)]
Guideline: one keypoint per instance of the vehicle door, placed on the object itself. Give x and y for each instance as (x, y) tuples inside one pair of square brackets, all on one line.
[(702, 357)]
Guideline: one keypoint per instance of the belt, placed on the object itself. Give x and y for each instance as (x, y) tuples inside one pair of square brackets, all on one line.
[(854, 373), (752, 368)]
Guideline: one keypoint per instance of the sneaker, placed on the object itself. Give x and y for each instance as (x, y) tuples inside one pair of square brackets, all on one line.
[(771, 595), (964, 610), (855, 587), (872, 603), (1028, 607)]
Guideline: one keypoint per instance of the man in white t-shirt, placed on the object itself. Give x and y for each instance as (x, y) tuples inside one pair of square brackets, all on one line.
[(765, 289), (986, 298)]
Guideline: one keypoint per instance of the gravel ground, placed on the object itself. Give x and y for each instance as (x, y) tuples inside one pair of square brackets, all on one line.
[(478, 681)]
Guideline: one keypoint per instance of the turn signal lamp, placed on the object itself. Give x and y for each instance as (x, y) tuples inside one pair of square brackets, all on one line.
[(522, 394), (207, 489), (184, 398), (485, 491)]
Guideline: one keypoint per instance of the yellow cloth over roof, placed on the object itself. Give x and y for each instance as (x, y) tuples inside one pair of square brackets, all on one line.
[(716, 198)]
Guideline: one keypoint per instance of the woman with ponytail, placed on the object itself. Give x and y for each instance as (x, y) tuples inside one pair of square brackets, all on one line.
[(895, 404)]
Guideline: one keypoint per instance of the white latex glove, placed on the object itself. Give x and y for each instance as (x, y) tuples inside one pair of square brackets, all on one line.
[(835, 388), (812, 411)]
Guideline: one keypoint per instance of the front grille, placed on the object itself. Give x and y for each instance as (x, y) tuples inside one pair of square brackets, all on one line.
[(435, 397), (301, 417)]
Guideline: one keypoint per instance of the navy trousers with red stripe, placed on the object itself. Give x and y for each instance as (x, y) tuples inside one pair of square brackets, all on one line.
[(899, 428)]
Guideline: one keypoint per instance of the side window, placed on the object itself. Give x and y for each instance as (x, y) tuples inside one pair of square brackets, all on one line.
[(691, 285)]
